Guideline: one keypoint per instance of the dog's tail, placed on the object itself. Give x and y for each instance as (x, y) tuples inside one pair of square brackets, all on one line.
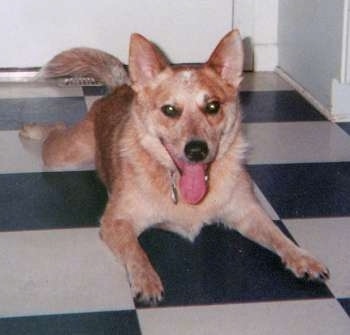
[(86, 62)]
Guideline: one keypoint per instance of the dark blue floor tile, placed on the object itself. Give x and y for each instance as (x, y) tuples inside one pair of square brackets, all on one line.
[(346, 305), (277, 106), (345, 126), (221, 267), (15, 112), (103, 323), (305, 190), (95, 90), (50, 200)]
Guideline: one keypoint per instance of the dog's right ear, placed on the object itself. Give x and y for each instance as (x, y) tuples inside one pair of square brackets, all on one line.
[(145, 60)]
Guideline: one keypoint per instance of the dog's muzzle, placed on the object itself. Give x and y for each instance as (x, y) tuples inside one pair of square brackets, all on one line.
[(193, 171)]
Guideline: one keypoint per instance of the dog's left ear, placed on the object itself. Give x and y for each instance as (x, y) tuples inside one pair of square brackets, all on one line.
[(227, 58)]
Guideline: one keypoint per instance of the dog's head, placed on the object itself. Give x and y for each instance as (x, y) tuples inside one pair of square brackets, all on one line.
[(189, 113)]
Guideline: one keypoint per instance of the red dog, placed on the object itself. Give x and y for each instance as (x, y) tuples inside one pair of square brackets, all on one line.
[(169, 148)]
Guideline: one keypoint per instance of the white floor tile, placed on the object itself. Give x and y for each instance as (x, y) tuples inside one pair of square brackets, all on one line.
[(296, 142), (37, 90), (328, 239), (59, 271), (264, 81), (321, 317), (19, 155)]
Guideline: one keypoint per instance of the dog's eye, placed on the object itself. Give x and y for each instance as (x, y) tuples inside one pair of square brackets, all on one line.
[(170, 111), (212, 107)]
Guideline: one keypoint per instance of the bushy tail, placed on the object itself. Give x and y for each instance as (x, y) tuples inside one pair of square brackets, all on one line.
[(86, 62)]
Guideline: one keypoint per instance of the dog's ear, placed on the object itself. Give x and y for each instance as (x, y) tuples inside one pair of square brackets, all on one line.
[(145, 60), (227, 58)]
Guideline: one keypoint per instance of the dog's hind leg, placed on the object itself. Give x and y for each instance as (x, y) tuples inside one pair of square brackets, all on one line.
[(63, 146)]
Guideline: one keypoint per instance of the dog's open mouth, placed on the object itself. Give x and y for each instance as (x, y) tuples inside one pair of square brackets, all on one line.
[(193, 183)]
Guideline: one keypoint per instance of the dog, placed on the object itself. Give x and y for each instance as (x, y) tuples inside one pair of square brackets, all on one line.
[(167, 143)]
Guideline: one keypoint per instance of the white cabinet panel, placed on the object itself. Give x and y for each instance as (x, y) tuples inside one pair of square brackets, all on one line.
[(34, 30), (310, 44)]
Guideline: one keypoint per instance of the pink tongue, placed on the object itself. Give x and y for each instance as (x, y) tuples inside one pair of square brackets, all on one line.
[(193, 186)]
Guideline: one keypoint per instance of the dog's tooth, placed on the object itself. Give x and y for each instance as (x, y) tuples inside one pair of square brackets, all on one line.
[(173, 189), (174, 196)]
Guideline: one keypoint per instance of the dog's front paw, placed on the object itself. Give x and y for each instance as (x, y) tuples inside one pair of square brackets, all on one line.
[(303, 265), (146, 285)]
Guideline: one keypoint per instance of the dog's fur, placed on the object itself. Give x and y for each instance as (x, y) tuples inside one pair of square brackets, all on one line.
[(140, 151)]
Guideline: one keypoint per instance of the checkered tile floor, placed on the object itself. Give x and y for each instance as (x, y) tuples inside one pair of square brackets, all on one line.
[(57, 277)]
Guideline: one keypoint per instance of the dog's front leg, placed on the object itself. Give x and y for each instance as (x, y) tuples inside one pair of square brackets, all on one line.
[(253, 223), (120, 237)]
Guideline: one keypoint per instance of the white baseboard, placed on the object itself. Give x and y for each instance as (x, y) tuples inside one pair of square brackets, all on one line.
[(265, 57), (340, 101), (18, 75)]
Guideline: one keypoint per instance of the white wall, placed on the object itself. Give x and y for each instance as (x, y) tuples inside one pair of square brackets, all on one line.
[(310, 44), (32, 31), (346, 45)]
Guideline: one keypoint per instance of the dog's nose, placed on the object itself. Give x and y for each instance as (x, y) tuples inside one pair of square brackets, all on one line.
[(196, 150)]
